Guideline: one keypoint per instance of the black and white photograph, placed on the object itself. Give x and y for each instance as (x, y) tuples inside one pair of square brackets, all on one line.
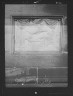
[(36, 45)]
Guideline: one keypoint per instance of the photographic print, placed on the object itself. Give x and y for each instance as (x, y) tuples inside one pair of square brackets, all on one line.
[(36, 47)]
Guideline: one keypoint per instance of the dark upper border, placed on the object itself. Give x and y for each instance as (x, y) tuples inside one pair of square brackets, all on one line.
[(37, 17)]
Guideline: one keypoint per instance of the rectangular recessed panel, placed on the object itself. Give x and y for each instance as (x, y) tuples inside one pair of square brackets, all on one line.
[(37, 35)]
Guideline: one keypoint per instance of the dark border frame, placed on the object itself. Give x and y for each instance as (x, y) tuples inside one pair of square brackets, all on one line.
[(43, 91)]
